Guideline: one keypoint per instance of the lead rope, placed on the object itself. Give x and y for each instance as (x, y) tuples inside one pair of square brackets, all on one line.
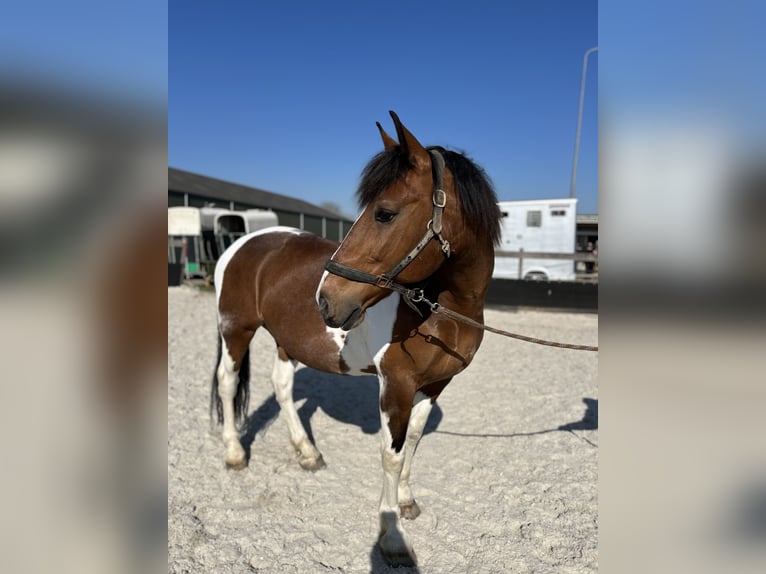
[(437, 308)]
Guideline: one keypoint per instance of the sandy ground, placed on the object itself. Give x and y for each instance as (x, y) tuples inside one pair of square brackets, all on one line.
[(506, 475)]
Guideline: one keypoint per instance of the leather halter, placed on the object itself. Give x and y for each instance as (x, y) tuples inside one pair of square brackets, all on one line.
[(416, 295), (433, 231)]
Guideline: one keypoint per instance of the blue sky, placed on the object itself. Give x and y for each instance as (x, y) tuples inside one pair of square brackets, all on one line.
[(284, 96), (116, 51)]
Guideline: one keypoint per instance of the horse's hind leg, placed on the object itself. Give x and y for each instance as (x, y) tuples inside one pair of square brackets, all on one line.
[(233, 389), (282, 378)]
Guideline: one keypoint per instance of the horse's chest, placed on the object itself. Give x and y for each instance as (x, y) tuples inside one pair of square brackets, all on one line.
[(357, 348), (354, 356)]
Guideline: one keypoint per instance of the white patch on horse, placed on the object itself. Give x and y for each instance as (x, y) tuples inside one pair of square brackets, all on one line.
[(321, 282), (282, 377), (359, 346), (420, 396), (380, 319), (227, 389), (421, 409), (386, 437), (223, 261), (377, 360)]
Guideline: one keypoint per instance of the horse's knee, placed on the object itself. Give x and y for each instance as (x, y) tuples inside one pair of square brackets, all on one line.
[(394, 430), (227, 384), (227, 376), (391, 458)]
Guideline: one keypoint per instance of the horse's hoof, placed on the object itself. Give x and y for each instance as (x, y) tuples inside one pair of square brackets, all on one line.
[(313, 464), (236, 463), (409, 510), (234, 455)]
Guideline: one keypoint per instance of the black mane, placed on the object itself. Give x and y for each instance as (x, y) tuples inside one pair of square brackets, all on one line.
[(474, 187)]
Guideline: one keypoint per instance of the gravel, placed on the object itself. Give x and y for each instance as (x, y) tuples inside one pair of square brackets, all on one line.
[(506, 474)]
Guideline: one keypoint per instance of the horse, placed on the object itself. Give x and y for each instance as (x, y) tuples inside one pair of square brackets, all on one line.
[(427, 231)]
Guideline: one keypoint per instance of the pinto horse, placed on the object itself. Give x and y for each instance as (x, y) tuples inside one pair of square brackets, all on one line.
[(428, 228)]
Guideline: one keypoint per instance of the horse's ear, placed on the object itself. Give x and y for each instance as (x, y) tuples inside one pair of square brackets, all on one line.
[(388, 141), (416, 153)]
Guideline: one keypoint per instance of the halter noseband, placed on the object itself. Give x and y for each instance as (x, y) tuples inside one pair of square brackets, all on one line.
[(433, 231)]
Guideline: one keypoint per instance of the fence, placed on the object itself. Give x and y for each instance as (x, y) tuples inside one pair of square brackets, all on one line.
[(580, 294), (584, 256)]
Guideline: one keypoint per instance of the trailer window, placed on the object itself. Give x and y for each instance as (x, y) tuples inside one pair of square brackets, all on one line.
[(558, 212), (534, 218)]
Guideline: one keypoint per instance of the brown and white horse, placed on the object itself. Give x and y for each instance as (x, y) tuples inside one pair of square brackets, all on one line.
[(428, 229)]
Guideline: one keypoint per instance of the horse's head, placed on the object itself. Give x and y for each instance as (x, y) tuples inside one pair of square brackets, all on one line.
[(401, 207)]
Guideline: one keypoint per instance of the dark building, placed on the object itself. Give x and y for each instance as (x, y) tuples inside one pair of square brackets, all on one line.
[(587, 230), (193, 190)]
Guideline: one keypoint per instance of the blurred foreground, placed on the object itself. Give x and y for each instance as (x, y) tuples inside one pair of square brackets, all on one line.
[(682, 467), (83, 170)]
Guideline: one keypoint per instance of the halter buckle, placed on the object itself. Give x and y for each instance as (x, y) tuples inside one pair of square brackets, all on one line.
[(383, 282), (440, 198)]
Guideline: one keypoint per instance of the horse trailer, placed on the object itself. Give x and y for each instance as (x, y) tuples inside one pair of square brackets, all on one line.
[(545, 229), (222, 227), (198, 236)]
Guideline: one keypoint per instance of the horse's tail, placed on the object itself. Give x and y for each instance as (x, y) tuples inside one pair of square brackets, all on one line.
[(241, 398), (215, 398)]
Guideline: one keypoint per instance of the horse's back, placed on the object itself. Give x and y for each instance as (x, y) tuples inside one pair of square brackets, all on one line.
[(272, 252)]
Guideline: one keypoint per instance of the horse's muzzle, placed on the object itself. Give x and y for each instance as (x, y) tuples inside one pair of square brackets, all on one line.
[(344, 317)]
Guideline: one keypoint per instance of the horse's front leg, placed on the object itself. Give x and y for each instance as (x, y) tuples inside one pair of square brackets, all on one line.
[(396, 400), (419, 416), (421, 409), (282, 378)]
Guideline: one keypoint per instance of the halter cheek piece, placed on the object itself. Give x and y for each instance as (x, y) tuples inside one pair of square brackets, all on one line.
[(433, 231)]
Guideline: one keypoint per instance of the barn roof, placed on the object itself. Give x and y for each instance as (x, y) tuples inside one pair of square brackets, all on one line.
[(220, 190)]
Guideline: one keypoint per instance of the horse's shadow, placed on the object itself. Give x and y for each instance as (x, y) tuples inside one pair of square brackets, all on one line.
[(589, 421), (350, 400)]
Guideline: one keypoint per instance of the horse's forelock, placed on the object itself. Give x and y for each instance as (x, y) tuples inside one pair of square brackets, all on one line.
[(380, 173), (474, 187)]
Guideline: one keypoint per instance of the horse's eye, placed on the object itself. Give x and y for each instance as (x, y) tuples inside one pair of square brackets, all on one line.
[(384, 216)]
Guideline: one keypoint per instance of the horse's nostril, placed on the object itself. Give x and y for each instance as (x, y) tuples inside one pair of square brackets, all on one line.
[(322, 300)]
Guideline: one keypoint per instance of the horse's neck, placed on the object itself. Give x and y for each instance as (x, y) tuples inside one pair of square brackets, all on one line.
[(465, 278)]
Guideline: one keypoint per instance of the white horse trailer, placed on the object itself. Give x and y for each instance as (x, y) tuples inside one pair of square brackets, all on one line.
[(222, 227), (537, 226)]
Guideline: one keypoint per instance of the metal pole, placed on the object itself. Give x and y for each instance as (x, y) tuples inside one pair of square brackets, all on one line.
[(579, 121)]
